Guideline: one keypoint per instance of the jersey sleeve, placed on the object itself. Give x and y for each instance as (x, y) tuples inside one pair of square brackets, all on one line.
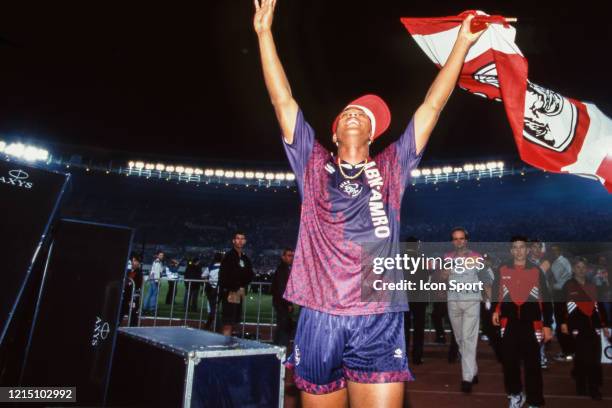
[(403, 154), (300, 150)]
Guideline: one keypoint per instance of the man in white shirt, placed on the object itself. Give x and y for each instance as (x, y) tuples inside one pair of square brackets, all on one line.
[(211, 273), (560, 273), (150, 301)]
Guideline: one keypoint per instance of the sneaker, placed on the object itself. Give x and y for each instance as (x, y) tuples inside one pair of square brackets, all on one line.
[(544, 362), (466, 387), (564, 358), (484, 337), (475, 380), (516, 400)]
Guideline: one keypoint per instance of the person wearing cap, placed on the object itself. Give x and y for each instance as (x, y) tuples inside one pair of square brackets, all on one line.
[(349, 349)]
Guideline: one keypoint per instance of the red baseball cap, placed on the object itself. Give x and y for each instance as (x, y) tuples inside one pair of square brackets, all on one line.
[(375, 108)]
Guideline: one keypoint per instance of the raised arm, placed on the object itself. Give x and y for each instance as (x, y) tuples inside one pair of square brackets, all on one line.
[(276, 81), (427, 114)]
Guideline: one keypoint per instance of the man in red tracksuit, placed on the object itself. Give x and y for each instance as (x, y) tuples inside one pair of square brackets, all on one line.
[(584, 318), (524, 311)]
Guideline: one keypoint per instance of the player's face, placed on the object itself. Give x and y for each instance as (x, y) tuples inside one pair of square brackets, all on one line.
[(353, 128), (536, 250), (580, 270), (519, 250), (459, 240), (288, 257), (239, 241)]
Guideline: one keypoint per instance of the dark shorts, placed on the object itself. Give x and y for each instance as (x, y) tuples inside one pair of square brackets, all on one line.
[(331, 349), (231, 313)]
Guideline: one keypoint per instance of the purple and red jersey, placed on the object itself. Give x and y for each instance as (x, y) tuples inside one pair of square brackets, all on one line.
[(339, 215)]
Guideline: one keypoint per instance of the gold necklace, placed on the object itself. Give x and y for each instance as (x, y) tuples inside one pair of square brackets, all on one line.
[(356, 175)]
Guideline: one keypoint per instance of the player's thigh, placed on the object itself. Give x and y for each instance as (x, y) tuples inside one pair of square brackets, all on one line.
[(385, 395), (334, 399)]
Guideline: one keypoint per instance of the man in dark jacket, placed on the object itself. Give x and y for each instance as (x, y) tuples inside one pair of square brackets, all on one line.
[(523, 309), (235, 274), (193, 274), (282, 307)]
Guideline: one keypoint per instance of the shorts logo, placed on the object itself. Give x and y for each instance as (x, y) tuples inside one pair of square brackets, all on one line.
[(296, 355), (398, 353)]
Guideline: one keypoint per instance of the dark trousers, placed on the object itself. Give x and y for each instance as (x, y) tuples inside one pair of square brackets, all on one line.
[(211, 296), (438, 314), (415, 319), (492, 332), (566, 341), (284, 327), (170, 294), (192, 290), (587, 361), (518, 345)]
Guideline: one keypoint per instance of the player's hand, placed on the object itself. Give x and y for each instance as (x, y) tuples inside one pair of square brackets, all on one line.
[(547, 334), (495, 319), (264, 13), (465, 32), (564, 329)]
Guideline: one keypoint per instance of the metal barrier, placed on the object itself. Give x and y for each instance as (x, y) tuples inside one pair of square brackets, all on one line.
[(263, 318)]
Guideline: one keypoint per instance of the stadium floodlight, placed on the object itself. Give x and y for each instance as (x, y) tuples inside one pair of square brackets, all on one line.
[(179, 169), (269, 176), (426, 172), (491, 165), (209, 172), (290, 177), (457, 170), (259, 175), (229, 174), (139, 165), (189, 171), (30, 153), (249, 174), (15, 149), (415, 173), (447, 169), (198, 172), (131, 164), (149, 166), (436, 171), (160, 167), (500, 164), (2, 145), (468, 167), (170, 169), (219, 173), (279, 176), (239, 174), (26, 152)]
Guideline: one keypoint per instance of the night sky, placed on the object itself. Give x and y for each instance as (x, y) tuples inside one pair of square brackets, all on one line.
[(183, 80)]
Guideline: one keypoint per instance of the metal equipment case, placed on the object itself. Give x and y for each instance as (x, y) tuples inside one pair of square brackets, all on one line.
[(185, 367)]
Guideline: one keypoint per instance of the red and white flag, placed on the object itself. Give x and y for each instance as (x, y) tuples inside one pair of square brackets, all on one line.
[(552, 132)]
